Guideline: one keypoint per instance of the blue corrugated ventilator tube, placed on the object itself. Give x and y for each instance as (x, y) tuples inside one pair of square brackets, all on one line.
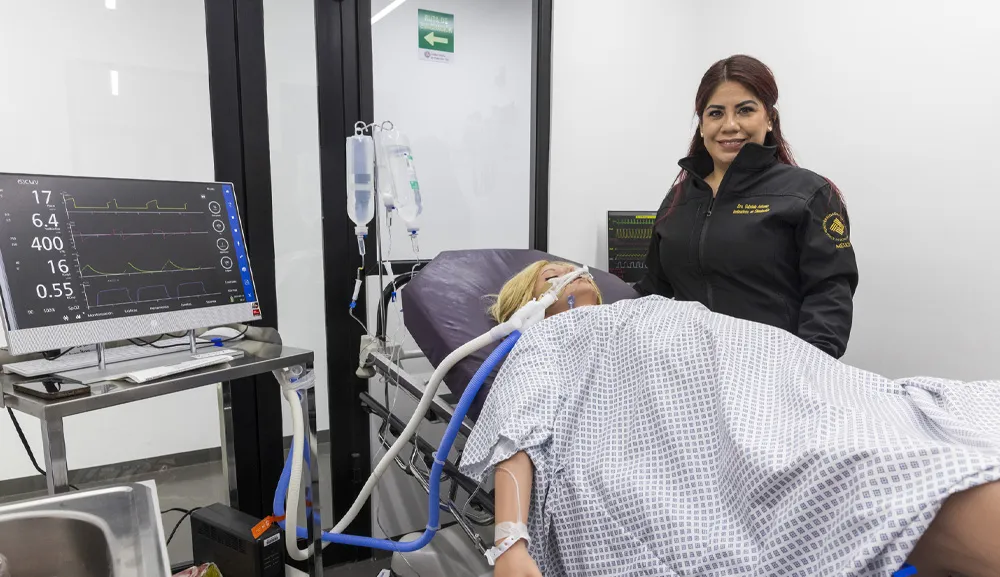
[(434, 503)]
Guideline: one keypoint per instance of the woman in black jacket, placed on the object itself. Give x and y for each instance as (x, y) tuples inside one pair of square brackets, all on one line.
[(744, 230)]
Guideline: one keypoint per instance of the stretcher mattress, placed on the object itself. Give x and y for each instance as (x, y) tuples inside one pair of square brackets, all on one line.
[(445, 305)]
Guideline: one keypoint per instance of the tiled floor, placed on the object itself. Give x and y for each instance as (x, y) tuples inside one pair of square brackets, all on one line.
[(200, 485)]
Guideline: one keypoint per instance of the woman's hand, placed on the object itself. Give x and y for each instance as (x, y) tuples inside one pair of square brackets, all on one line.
[(515, 562)]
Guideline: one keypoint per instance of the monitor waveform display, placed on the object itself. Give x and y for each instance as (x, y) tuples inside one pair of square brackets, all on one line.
[(151, 294), (629, 235), (152, 205), (131, 269)]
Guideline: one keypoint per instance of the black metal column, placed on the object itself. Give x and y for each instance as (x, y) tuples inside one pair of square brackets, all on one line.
[(343, 61), (238, 90), (541, 120)]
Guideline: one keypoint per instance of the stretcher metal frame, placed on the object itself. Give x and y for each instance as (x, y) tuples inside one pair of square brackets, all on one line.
[(480, 510)]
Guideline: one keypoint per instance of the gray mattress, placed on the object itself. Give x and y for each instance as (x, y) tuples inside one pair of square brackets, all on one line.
[(445, 305)]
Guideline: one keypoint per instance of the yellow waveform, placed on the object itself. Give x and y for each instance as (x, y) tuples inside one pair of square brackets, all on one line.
[(639, 219), (634, 233), (119, 207)]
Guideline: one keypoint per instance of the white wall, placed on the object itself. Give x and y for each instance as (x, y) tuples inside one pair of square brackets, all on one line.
[(620, 114), (892, 100), (468, 121), (58, 116)]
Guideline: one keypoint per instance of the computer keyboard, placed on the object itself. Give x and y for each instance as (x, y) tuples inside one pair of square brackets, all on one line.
[(146, 375), (73, 361)]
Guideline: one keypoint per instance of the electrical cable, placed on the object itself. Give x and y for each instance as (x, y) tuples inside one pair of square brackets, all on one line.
[(152, 343), (144, 343), (49, 356), (242, 333), (181, 520), (175, 510), (27, 447)]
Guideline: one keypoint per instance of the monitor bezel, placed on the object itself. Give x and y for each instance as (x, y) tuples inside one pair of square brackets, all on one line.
[(53, 337)]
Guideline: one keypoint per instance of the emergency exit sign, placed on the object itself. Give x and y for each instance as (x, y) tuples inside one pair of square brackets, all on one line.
[(435, 36)]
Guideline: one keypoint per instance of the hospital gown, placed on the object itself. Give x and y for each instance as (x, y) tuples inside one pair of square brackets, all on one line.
[(669, 440)]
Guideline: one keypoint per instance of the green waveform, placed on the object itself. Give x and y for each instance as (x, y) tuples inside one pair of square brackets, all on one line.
[(164, 268)]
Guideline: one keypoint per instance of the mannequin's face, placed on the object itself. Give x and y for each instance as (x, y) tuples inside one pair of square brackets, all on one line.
[(732, 118), (583, 290)]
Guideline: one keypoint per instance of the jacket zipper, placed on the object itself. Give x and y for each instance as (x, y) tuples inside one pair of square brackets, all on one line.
[(701, 249), (704, 233)]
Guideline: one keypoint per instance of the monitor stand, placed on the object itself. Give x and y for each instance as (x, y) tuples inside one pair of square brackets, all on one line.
[(115, 371)]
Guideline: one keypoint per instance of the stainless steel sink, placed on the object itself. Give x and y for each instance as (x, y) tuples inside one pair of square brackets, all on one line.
[(112, 532), (45, 543)]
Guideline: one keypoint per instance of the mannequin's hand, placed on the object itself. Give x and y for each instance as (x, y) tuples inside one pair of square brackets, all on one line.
[(516, 562)]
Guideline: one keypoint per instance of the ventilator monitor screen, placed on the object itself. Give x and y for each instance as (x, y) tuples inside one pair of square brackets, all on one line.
[(629, 234), (88, 260)]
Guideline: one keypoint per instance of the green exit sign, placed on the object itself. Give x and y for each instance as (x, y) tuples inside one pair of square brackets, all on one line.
[(435, 33)]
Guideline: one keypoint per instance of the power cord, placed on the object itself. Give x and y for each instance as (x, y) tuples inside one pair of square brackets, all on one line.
[(187, 513), (242, 333), (152, 343), (53, 355), (27, 447), (31, 456)]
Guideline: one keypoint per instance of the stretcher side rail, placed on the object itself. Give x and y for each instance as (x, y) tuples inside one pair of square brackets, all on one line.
[(481, 500), (415, 387)]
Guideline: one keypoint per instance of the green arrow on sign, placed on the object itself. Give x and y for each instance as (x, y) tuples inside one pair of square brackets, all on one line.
[(435, 33), (432, 39)]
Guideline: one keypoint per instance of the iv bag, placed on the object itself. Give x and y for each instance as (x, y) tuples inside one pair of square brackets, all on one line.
[(360, 181), (383, 140), (404, 180)]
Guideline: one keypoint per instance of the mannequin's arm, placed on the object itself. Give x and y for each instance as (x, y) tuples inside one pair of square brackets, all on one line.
[(513, 500)]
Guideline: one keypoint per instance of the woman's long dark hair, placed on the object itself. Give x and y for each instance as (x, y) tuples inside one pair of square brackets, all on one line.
[(758, 79)]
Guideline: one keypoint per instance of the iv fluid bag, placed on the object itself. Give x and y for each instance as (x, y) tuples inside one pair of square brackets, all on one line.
[(360, 179), (404, 180), (383, 140)]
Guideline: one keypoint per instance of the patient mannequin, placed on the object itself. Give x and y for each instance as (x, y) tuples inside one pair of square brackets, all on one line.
[(962, 541)]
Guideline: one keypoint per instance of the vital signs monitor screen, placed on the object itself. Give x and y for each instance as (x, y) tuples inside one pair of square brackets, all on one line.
[(629, 233), (85, 249)]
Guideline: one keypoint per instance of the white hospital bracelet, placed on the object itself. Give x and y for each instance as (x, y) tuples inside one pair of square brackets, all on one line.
[(511, 533)]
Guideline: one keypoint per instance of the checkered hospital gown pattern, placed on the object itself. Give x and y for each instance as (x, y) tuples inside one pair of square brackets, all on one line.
[(669, 440)]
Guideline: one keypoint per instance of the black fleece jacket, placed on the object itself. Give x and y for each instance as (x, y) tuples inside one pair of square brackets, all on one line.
[(773, 246)]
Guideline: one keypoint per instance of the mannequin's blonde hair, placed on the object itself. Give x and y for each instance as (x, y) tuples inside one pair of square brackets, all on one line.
[(520, 289)]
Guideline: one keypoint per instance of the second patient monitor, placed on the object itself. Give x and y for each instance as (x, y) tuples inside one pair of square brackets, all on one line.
[(629, 233)]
